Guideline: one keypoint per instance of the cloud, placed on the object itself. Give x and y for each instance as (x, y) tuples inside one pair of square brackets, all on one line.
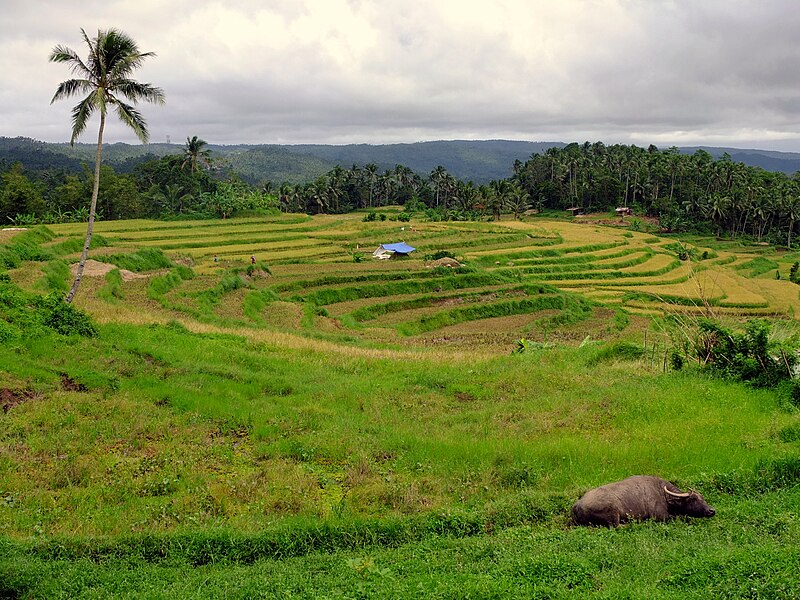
[(334, 71)]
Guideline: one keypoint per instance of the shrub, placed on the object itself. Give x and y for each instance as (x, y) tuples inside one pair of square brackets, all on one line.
[(65, 318), (748, 356), (257, 269), (8, 333), (439, 254), (683, 251)]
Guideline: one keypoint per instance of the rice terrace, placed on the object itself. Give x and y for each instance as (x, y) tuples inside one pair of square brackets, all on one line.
[(264, 409)]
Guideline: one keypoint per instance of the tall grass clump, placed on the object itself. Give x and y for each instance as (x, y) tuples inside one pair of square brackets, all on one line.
[(161, 285), (255, 302), (56, 276), (112, 290), (147, 259), (26, 246), (75, 245)]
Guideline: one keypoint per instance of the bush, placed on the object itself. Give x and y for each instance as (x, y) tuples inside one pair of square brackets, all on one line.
[(439, 254), (8, 333), (65, 318), (748, 356)]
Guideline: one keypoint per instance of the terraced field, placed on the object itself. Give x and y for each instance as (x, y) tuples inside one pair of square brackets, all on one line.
[(517, 279), (321, 423)]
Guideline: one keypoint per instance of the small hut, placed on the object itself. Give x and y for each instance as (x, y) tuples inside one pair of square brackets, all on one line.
[(623, 211), (385, 251)]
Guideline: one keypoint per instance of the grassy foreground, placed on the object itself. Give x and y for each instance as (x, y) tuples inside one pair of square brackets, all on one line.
[(222, 441), (154, 462)]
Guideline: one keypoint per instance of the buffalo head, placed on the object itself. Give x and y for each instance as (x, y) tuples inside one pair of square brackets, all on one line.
[(688, 503)]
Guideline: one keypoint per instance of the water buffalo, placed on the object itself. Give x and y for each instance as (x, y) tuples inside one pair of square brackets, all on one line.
[(637, 498)]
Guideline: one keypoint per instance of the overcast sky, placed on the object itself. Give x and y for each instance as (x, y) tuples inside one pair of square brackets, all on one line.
[(681, 72)]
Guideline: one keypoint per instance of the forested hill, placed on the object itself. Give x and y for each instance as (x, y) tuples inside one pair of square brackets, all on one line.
[(769, 160), (478, 161)]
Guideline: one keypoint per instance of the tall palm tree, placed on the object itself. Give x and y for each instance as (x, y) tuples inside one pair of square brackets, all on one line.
[(196, 154), (371, 176), (791, 207), (104, 77)]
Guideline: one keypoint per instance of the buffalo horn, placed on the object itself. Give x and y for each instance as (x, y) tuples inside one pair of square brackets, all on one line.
[(677, 495)]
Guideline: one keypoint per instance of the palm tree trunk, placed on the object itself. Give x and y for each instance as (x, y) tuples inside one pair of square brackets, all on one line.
[(92, 208)]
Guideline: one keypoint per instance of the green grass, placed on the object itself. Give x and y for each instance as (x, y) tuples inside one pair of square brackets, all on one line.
[(26, 246), (757, 266), (362, 429), (647, 560), (56, 276), (227, 453), (148, 259)]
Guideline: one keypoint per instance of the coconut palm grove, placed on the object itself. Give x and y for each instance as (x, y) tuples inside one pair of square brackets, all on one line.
[(244, 374)]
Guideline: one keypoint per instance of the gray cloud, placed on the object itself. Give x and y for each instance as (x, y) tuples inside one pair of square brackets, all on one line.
[(333, 71)]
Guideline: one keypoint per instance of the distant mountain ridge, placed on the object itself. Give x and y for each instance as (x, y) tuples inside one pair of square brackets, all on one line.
[(769, 160), (477, 160)]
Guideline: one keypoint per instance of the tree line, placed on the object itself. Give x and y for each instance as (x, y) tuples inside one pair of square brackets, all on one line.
[(161, 188), (685, 191)]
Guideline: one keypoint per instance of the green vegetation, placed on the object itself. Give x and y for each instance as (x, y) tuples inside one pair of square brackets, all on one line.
[(313, 426), (668, 191)]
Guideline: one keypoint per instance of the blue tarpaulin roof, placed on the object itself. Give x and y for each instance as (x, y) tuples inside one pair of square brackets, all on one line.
[(401, 247)]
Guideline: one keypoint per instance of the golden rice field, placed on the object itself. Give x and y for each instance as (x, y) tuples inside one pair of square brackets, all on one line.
[(323, 280)]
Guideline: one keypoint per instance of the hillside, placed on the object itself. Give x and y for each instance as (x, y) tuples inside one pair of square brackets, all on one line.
[(324, 424), (769, 160), (480, 160)]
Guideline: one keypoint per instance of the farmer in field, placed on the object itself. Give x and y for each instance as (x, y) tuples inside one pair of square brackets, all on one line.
[(253, 260)]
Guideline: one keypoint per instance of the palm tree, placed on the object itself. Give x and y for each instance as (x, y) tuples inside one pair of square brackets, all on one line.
[(518, 201), (791, 208), (113, 56), (438, 178), (195, 154), (371, 176)]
